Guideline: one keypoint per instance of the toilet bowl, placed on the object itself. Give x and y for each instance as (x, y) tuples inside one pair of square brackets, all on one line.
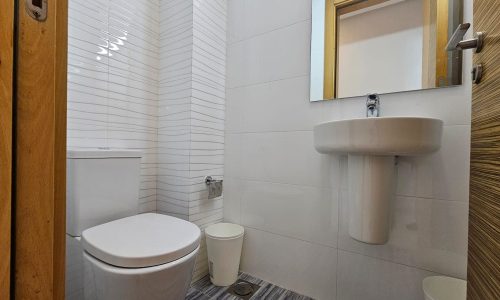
[(147, 256), (114, 252), (444, 288)]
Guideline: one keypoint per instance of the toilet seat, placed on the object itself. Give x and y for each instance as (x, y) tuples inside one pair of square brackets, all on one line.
[(120, 271), (141, 241)]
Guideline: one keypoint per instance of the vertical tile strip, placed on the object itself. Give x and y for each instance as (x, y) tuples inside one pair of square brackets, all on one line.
[(191, 111)]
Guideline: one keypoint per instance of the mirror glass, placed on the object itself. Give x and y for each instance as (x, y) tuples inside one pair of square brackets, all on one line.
[(360, 47)]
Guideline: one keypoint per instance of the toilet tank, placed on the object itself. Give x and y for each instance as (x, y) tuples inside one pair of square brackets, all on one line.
[(102, 186)]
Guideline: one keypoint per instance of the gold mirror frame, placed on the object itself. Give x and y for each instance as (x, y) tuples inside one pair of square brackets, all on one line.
[(440, 35), (331, 55)]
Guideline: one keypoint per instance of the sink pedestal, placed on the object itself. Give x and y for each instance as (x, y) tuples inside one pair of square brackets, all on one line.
[(371, 189)]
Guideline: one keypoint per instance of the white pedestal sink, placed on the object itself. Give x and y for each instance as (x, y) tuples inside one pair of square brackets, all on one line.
[(371, 145)]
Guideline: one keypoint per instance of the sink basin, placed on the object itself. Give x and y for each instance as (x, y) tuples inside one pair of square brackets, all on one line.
[(404, 136), (371, 145)]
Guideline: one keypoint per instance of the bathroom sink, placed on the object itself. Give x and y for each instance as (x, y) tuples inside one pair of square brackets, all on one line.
[(404, 136), (371, 145)]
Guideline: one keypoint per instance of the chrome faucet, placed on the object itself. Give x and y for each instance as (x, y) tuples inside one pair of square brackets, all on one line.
[(372, 106)]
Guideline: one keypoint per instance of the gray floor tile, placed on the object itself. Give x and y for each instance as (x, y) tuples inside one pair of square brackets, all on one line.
[(269, 291), (252, 279), (194, 294), (294, 296), (225, 296), (203, 289), (202, 283), (206, 287)]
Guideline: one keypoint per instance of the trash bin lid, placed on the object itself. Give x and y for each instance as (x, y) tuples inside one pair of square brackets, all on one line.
[(224, 231), (444, 288)]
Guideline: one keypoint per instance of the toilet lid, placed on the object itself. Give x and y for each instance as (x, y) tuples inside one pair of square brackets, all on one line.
[(140, 241)]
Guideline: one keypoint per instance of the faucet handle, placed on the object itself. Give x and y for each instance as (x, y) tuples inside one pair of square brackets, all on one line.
[(372, 105), (372, 99)]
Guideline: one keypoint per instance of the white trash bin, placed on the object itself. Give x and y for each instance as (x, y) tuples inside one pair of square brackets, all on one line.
[(224, 243)]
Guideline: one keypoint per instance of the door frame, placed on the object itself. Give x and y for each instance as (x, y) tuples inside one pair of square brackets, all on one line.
[(6, 102), (40, 153)]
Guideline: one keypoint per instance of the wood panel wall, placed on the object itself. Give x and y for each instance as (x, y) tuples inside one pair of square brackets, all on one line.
[(483, 272), (6, 80), (41, 154)]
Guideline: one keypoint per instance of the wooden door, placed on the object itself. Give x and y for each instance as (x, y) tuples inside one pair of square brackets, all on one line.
[(6, 100), (483, 272), (40, 153)]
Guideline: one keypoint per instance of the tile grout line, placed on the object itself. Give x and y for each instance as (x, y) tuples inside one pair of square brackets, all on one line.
[(251, 37)]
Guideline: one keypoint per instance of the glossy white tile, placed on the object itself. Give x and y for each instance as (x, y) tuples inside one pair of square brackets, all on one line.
[(429, 234), (244, 13), (232, 199), (281, 157), (301, 212), (277, 55), (306, 268), (362, 277), (191, 110), (441, 175), (112, 78), (289, 97), (267, 147)]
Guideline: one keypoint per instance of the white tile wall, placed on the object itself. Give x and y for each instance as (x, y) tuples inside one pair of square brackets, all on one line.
[(291, 199), (150, 75), (113, 58), (174, 134), (275, 258), (138, 80), (297, 211), (113, 81), (191, 111), (362, 277)]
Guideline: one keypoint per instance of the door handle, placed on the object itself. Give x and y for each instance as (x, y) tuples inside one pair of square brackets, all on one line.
[(456, 42), (37, 9)]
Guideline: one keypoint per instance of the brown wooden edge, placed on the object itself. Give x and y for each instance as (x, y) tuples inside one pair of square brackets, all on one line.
[(41, 153), (330, 58), (441, 41), (6, 81)]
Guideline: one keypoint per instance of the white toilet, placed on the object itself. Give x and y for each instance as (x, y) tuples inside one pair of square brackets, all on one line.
[(125, 256), (444, 288)]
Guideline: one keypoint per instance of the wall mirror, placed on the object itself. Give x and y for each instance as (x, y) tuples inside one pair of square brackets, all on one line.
[(360, 47)]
